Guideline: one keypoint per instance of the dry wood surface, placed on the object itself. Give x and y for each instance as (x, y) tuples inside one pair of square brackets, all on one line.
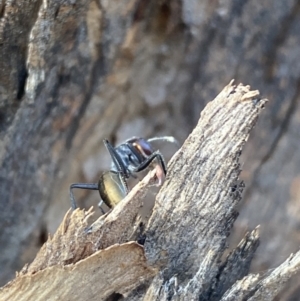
[(185, 236), (75, 72)]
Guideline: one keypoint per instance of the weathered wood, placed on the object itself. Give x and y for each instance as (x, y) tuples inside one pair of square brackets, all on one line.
[(54, 85), (266, 287), (269, 287), (236, 265), (197, 204), (73, 73), (185, 236), (240, 290), (77, 239), (116, 269)]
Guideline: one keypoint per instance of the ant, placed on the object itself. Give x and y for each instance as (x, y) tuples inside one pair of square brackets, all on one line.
[(130, 157)]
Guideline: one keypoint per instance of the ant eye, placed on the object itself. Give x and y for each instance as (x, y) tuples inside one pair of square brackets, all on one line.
[(143, 147)]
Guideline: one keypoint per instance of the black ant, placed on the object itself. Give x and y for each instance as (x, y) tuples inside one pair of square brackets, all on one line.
[(128, 158)]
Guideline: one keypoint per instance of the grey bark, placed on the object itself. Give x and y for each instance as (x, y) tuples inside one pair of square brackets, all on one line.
[(75, 72)]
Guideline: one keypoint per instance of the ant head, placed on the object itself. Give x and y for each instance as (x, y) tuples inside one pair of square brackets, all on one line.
[(142, 146)]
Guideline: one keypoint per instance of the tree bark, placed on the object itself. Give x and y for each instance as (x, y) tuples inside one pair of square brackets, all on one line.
[(75, 72), (184, 238)]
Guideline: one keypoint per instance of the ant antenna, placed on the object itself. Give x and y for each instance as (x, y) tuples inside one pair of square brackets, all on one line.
[(165, 138)]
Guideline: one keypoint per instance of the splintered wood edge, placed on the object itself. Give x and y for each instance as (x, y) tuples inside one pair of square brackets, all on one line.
[(117, 269), (267, 287), (76, 239), (240, 290), (200, 182), (191, 290)]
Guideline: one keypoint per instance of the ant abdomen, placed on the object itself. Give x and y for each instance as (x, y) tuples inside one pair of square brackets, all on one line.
[(112, 188)]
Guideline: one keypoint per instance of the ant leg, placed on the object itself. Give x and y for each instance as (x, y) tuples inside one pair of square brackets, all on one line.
[(133, 175), (99, 206), (156, 155), (88, 186), (115, 157), (138, 155)]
